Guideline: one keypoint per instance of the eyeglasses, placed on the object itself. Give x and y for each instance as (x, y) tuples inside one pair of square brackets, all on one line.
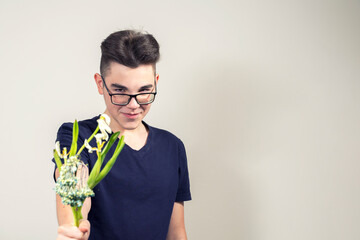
[(122, 99)]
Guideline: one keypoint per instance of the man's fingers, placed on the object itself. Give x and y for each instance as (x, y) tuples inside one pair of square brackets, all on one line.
[(70, 231), (84, 226)]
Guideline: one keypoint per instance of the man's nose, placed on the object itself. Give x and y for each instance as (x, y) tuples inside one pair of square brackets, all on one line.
[(133, 103)]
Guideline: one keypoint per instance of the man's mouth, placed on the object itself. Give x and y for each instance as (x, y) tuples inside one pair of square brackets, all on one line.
[(131, 115)]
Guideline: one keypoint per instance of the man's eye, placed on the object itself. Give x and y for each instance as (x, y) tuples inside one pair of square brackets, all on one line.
[(119, 90), (145, 90)]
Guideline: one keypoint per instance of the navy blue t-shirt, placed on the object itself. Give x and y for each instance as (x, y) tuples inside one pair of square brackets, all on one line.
[(135, 200)]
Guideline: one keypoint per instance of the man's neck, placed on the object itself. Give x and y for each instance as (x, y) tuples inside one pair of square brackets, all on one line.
[(135, 138)]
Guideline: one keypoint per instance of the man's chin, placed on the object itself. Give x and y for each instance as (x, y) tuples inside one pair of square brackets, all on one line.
[(132, 125)]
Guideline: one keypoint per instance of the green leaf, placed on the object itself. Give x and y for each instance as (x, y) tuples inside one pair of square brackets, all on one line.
[(109, 145), (96, 169), (94, 172), (111, 162), (74, 139), (57, 160)]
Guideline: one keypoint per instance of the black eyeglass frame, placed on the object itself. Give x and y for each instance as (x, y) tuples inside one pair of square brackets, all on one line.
[(129, 95)]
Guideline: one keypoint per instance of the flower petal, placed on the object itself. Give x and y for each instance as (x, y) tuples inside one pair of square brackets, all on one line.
[(99, 137), (57, 148), (87, 145), (106, 118), (103, 126)]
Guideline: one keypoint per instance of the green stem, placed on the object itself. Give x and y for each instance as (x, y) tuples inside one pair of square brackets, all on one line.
[(91, 137), (77, 215)]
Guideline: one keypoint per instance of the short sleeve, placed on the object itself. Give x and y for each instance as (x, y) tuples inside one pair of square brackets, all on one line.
[(64, 136), (183, 192)]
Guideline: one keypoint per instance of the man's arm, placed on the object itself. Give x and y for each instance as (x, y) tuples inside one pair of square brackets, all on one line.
[(66, 229), (177, 223)]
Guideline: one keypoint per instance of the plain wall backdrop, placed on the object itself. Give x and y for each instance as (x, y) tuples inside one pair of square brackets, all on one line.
[(264, 94)]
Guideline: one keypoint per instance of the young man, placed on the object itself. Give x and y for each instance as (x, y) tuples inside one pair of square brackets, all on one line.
[(142, 196)]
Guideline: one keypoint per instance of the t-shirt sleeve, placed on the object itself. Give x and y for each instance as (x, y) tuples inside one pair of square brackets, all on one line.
[(183, 192), (64, 136)]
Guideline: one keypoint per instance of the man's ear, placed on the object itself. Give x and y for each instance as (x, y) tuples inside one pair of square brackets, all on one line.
[(157, 78), (99, 83)]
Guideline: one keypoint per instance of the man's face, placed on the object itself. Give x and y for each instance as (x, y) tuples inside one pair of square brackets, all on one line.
[(125, 80)]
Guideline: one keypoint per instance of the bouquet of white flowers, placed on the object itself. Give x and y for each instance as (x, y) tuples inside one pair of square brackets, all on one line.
[(72, 186)]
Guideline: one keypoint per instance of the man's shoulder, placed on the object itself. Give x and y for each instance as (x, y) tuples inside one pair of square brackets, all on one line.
[(84, 125), (160, 133), (90, 123)]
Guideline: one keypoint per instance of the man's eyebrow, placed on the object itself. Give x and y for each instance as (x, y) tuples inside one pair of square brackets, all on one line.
[(115, 85), (146, 87)]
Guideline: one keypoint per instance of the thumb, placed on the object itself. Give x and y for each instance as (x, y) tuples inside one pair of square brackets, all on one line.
[(84, 226)]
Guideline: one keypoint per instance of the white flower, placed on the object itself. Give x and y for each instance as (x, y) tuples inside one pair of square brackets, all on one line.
[(90, 149), (104, 127), (106, 118), (99, 137), (57, 148), (104, 122)]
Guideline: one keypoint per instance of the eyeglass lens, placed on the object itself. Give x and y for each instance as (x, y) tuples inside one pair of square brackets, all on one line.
[(141, 99)]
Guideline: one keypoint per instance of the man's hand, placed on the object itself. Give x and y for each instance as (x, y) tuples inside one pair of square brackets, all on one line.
[(68, 231)]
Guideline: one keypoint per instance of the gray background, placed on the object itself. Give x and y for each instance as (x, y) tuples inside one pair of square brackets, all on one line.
[(265, 95)]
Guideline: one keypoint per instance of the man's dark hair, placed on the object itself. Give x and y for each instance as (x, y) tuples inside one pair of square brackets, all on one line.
[(130, 48)]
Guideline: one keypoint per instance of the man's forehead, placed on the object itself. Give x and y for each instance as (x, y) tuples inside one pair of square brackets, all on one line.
[(131, 83), (120, 69)]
